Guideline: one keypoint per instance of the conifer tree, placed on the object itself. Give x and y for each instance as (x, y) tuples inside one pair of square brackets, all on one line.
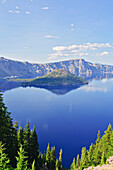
[(7, 132), (57, 164), (48, 156), (103, 159), (34, 146), (73, 165), (4, 161), (110, 147), (98, 137), (106, 141), (84, 159), (33, 165), (26, 142), (90, 154), (21, 160), (20, 136), (78, 161), (60, 159), (53, 158)]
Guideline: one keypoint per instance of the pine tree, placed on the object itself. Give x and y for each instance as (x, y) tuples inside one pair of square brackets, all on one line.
[(26, 142), (53, 158), (90, 154), (48, 156), (103, 159), (33, 165), (110, 147), (73, 165), (78, 161), (4, 161), (98, 137), (21, 160), (60, 159), (106, 141), (20, 136), (34, 146), (84, 159), (57, 164), (7, 132)]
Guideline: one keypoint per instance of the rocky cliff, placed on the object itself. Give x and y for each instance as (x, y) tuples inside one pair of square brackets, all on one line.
[(80, 67)]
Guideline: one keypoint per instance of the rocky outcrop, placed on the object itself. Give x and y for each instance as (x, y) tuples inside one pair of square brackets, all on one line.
[(80, 67), (109, 166)]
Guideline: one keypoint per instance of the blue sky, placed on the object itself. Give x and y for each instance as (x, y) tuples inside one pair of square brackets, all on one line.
[(54, 30)]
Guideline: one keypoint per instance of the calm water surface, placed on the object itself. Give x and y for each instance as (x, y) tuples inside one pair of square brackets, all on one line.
[(69, 121)]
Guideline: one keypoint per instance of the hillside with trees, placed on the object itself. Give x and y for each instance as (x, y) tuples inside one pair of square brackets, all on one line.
[(58, 77)]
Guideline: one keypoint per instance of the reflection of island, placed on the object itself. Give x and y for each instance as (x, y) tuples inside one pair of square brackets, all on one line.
[(59, 81), (59, 90)]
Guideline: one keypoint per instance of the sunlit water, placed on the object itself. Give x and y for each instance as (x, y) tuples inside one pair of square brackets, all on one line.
[(69, 121)]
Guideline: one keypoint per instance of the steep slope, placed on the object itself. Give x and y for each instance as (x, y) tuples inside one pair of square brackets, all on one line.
[(56, 78), (79, 67)]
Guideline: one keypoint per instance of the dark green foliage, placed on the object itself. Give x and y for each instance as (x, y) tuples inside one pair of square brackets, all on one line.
[(26, 142), (53, 158), (8, 134), (33, 146)]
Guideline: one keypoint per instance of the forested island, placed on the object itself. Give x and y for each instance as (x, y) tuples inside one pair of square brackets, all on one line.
[(58, 77), (19, 148)]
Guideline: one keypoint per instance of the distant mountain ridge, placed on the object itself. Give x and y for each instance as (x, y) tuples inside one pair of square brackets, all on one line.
[(80, 67)]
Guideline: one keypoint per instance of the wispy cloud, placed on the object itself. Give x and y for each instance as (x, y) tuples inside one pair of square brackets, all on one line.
[(72, 25), (51, 36), (80, 50), (3, 1), (17, 12), (104, 53), (45, 8), (27, 12)]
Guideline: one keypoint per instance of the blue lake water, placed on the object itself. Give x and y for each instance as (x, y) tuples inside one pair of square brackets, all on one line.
[(68, 121)]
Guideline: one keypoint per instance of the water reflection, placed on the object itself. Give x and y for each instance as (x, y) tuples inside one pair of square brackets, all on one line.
[(62, 90)]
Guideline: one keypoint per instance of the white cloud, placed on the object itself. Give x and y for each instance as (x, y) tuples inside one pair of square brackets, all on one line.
[(104, 53), (10, 11), (27, 12), (72, 25), (45, 8), (13, 11), (50, 36), (17, 7), (80, 50)]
